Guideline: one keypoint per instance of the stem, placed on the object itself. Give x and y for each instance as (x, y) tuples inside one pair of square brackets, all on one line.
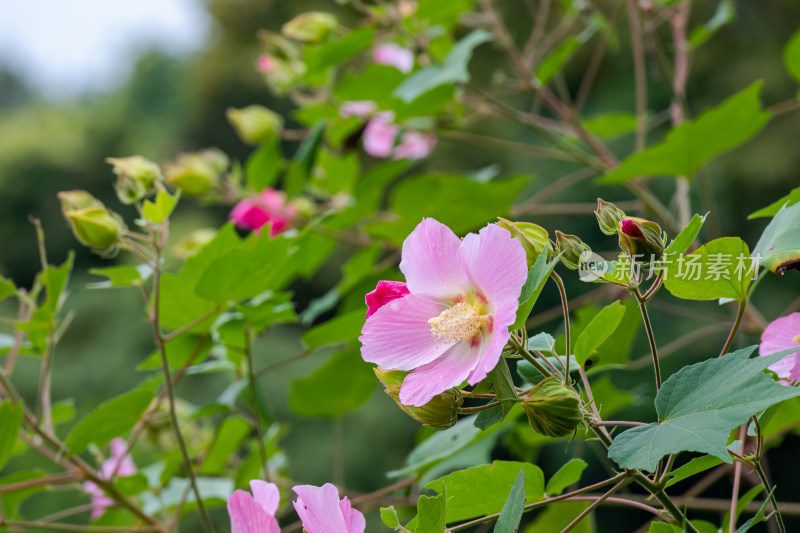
[(618, 423), (478, 409), (735, 328), (640, 74), (565, 310), (159, 339), (528, 356), (594, 504), (38, 524), (650, 337), (254, 405), (737, 478), (760, 471)]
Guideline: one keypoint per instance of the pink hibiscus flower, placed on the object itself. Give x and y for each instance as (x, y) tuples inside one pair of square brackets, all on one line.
[(119, 464), (321, 511), (357, 108), (783, 334), (453, 324), (414, 145), (267, 206), (395, 56), (380, 134), (256, 513)]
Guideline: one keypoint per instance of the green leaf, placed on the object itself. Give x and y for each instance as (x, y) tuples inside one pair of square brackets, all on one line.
[(772, 209), (452, 70), (663, 527), (336, 52), (334, 174), (228, 439), (608, 398), (757, 519), (556, 60), (431, 512), (530, 374), (389, 517), (264, 164), (501, 382), (7, 288), (692, 144), (693, 467), (699, 406), (120, 276), (12, 500), (686, 237), (791, 56), (445, 14), (10, 422), (511, 514), (343, 328), (482, 490), (725, 14), (342, 384), (718, 269), (159, 211), (602, 326), (535, 282), (376, 84), (565, 476), (111, 419), (779, 245), (611, 125)]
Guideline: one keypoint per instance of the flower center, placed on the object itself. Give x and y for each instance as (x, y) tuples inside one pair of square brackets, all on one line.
[(458, 323), (797, 339)]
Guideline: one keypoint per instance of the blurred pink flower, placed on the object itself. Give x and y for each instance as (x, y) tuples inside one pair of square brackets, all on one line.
[(454, 323), (267, 206), (380, 135), (118, 464), (385, 292), (256, 513), (357, 108), (783, 334), (414, 145), (265, 64), (321, 511), (395, 56)]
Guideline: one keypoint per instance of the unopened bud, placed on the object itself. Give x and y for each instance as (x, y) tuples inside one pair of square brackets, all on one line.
[(439, 413), (280, 62), (311, 27), (641, 238), (92, 224), (609, 216), (196, 173), (533, 237), (553, 409), (255, 124), (572, 249), (137, 177)]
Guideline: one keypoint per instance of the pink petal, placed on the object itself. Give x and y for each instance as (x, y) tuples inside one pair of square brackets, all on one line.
[(495, 262), (265, 64), (431, 264), (249, 517), (778, 336), (379, 135), (266, 495), (399, 336), (318, 508), (249, 215), (354, 519), (395, 56), (447, 371), (414, 145), (494, 342), (357, 108), (385, 292)]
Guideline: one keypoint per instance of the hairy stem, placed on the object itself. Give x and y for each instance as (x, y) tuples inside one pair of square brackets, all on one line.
[(650, 337)]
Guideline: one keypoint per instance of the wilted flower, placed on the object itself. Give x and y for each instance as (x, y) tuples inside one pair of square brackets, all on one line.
[(395, 56), (453, 324), (119, 464), (783, 334), (269, 205), (256, 513), (321, 511), (255, 124)]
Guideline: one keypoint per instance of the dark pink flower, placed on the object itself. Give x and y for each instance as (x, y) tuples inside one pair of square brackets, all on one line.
[(395, 56), (321, 511), (414, 145), (783, 334), (630, 228), (267, 206), (256, 513), (385, 292), (380, 135), (119, 464)]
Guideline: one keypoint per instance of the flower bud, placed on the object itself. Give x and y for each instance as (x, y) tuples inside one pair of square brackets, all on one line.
[(641, 238), (572, 249), (279, 62), (255, 124), (196, 173), (609, 216), (439, 413), (311, 27), (553, 409), (533, 237), (136, 177), (92, 224)]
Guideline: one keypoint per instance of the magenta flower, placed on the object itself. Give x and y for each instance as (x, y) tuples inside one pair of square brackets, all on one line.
[(414, 145), (380, 134), (119, 464), (385, 292), (256, 513), (267, 206), (453, 324), (783, 334), (265, 64), (357, 108), (395, 56), (321, 511)]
